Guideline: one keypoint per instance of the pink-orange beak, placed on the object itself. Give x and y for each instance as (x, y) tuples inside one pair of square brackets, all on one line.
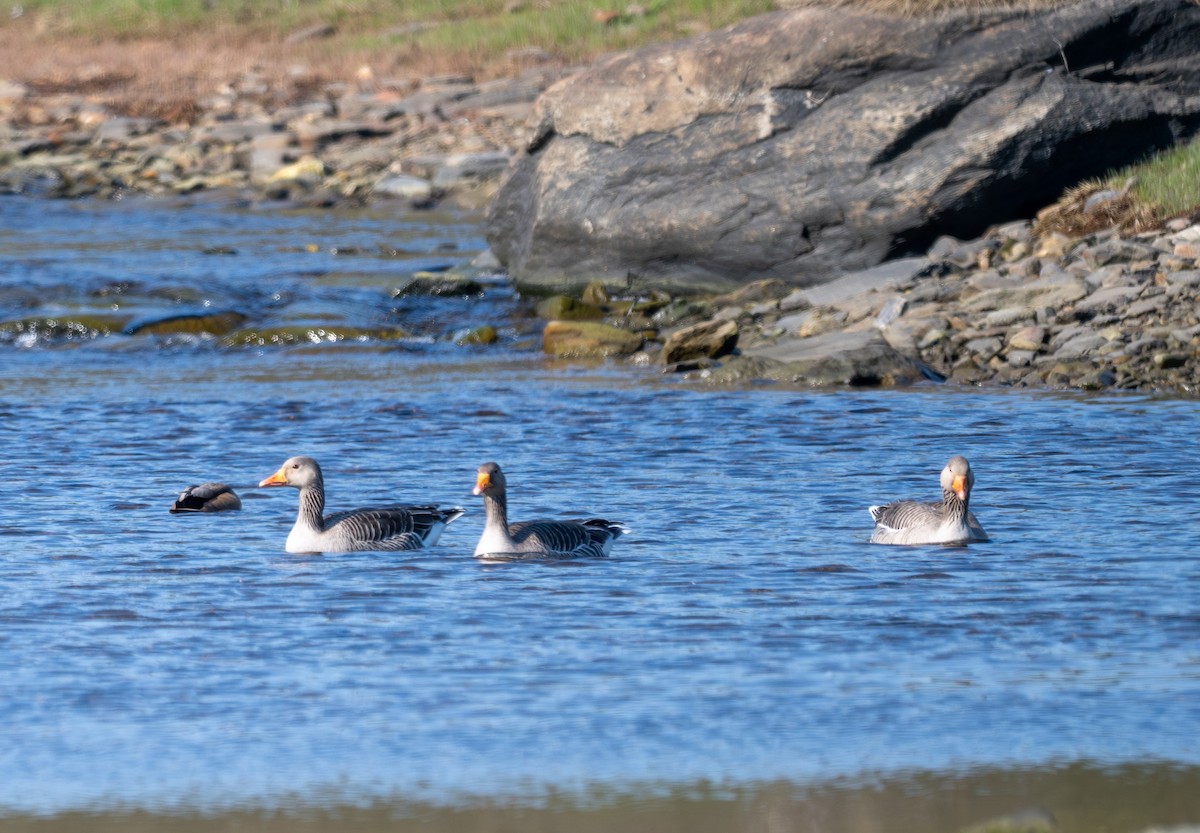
[(959, 486), (482, 482)]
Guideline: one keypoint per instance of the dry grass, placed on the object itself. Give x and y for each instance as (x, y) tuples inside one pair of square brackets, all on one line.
[(161, 53)]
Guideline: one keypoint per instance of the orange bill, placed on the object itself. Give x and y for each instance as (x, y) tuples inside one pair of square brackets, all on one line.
[(482, 482), (277, 479), (959, 486)]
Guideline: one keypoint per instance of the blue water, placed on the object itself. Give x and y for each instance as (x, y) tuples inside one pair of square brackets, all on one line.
[(744, 632)]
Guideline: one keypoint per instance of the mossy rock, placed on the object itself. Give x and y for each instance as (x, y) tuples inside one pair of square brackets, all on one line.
[(564, 308), (263, 336), (588, 339), (216, 324), (596, 294), (64, 328), (480, 335)]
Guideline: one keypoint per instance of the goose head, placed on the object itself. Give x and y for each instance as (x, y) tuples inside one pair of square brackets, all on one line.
[(297, 472), (958, 478), (489, 480)]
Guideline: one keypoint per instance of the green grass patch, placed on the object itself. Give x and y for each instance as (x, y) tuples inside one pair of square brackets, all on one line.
[(1135, 198), (1169, 181), (574, 28)]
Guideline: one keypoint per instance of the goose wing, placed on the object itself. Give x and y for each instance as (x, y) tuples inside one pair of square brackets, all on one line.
[(388, 528), (977, 533), (906, 514), (574, 539)]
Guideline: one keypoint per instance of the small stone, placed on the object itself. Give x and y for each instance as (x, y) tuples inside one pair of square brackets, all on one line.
[(462, 169), (1168, 361), (308, 169), (1054, 245), (710, 339), (797, 300), (1190, 250), (1096, 380), (769, 289), (931, 337), (403, 186), (822, 321), (984, 348), (595, 293), (480, 335), (1027, 338), (1020, 358), (1081, 345), (1005, 317), (892, 310)]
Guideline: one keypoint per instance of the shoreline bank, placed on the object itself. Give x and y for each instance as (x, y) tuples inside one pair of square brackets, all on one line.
[(1018, 307)]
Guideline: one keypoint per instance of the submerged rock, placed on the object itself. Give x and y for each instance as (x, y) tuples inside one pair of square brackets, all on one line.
[(66, 328), (479, 335), (214, 324), (263, 336)]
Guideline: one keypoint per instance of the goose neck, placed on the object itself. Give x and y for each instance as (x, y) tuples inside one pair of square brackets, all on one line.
[(312, 505), (495, 509)]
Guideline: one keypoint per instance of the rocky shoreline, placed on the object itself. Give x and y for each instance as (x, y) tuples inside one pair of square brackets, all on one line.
[(1022, 306), (423, 141), (1014, 308)]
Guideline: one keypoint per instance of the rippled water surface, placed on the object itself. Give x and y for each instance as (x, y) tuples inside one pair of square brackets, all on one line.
[(745, 634)]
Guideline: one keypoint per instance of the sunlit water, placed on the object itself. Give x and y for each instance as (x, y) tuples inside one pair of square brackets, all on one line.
[(744, 633)]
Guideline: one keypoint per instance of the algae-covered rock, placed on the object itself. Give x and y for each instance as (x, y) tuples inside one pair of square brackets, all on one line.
[(588, 339), (215, 324), (480, 335), (263, 336), (596, 294), (564, 308)]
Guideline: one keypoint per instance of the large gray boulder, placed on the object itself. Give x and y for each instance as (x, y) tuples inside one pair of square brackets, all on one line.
[(804, 144)]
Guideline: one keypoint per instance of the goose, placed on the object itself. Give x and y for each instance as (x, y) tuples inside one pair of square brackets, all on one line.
[(207, 497), (948, 521), (386, 528), (592, 538)]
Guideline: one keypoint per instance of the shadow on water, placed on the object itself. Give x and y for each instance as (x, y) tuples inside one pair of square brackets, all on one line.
[(1073, 799)]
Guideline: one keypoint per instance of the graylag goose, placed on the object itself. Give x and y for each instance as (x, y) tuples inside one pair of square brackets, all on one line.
[(948, 521), (387, 528), (207, 497), (592, 538)]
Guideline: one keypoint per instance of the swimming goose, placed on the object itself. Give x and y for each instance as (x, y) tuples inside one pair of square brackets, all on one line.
[(947, 522), (207, 497), (384, 528), (592, 538)]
